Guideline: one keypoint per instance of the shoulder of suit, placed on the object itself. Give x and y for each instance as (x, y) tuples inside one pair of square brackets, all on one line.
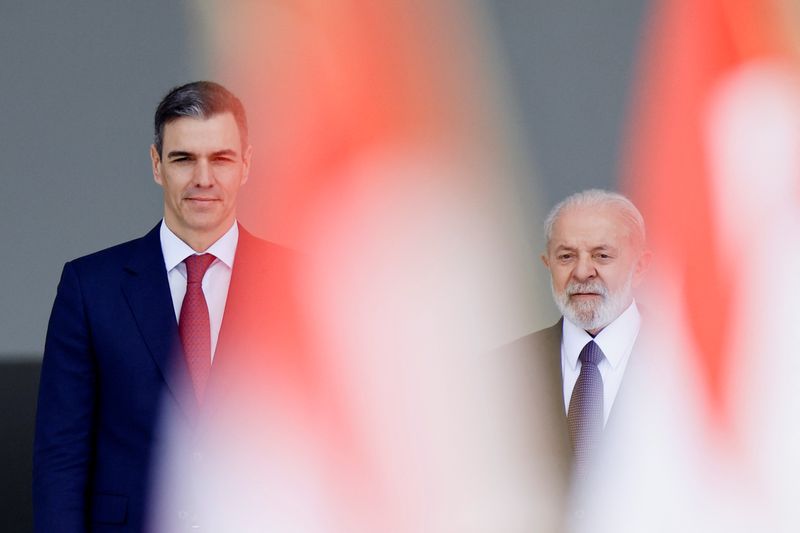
[(258, 245), (121, 254), (116, 255), (250, 245), (542, 341), (549, 334)]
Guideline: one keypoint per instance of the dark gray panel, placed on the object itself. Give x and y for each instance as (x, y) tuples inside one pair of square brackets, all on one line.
[(19, 381)]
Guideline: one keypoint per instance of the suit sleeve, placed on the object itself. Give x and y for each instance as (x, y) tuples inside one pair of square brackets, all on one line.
[(65, 417)]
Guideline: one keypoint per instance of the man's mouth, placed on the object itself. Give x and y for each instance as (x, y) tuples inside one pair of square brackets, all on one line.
[(202, 199), (585, 292)]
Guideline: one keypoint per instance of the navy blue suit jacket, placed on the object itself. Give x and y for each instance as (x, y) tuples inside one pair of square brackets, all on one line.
[(112, 367)]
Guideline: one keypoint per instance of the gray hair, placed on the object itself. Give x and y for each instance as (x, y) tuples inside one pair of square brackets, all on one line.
[(597, 198)]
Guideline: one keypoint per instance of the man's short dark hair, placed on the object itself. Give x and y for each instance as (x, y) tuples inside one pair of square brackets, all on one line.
[(198, 99)]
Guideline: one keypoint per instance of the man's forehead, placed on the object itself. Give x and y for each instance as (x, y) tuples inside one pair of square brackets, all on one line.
[(593, 226), (219, 131)]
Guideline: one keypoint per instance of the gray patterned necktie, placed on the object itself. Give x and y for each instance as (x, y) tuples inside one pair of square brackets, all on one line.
[(585, 417)]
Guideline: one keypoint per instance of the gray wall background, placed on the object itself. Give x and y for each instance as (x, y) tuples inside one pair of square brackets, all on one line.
[(80, 81)]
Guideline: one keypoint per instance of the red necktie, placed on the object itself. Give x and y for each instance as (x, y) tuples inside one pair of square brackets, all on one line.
[(194, 326)]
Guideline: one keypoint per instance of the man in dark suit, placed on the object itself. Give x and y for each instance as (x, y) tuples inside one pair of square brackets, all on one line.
[(596, 256), (136, 329)]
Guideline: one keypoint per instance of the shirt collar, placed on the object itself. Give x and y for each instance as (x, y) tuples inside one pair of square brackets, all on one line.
[(175, 250), (616, 339)]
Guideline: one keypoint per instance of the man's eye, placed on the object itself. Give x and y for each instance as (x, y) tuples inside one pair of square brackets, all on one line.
[(603, 256), (565, 257), (222, 159)]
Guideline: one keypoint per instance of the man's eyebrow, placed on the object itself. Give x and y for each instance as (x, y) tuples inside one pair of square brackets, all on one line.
[(227, 152), (178, 153), (564, 247), (175, 154), (606, 250)]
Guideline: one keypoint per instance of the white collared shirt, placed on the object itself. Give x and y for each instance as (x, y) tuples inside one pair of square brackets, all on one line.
[(216, 280), (616, 340)]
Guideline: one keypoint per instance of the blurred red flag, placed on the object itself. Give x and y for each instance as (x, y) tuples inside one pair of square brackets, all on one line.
[(690, 47)]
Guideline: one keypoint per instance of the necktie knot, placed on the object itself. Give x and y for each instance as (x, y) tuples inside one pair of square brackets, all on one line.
[(196, 266), (591, 354)]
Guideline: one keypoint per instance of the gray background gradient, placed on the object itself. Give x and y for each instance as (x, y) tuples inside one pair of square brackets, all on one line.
[(80, 81)]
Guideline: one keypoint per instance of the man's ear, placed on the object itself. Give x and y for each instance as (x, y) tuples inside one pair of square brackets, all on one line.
[(156, 161), (246, 159), (545, 260), (642, 266)]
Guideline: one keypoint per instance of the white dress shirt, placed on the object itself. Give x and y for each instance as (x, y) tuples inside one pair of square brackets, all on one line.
[(216, 280), (616, 340)]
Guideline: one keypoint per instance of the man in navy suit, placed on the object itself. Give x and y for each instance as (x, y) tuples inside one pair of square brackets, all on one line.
[(117, 362)]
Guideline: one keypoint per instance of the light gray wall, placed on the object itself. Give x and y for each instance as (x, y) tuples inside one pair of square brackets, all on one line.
[(79, 84), (571, 65), (80, 80)]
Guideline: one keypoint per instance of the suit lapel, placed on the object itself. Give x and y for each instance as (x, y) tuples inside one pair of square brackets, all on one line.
[(548, 349), (635, 364), (541, 360), (241, 309), (244, 272), (147, 291), (551, 349)]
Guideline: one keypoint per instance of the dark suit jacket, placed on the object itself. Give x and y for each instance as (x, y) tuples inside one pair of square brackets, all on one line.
[(532, 367), (539, 357), (113, 366)]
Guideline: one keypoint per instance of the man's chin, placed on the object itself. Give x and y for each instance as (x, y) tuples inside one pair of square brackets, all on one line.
[(207, 221), (584, 321), (586, 315), (587, 306)]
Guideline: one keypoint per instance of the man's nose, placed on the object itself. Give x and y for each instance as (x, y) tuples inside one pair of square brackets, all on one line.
[(584, 269), (203, 174)]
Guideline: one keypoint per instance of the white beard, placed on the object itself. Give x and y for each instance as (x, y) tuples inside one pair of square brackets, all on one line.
[(591, 315)]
